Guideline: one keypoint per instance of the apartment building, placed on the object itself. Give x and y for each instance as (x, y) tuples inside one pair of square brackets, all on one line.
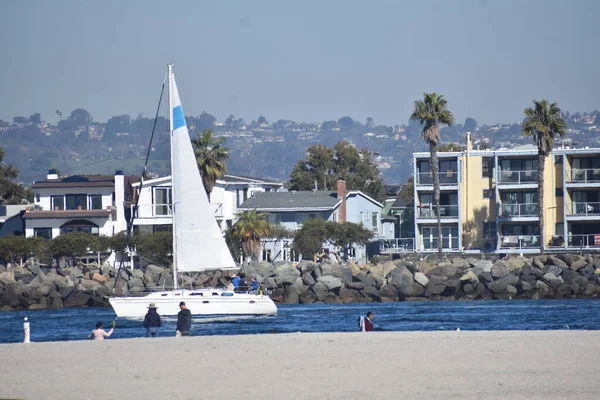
[(489, 200)]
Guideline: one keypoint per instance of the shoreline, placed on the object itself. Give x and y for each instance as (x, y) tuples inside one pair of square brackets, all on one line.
[(555, 364)]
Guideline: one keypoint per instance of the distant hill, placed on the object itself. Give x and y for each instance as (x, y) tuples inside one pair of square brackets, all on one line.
[(78, 144)]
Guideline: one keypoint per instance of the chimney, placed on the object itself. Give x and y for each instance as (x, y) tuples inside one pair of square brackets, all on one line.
[(52, 174), (341, 194), (469, 142), (121, 223)]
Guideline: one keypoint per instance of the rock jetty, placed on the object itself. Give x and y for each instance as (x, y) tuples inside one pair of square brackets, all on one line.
[(459, 278)]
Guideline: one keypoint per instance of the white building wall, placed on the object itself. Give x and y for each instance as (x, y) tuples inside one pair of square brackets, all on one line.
[(104, 225)]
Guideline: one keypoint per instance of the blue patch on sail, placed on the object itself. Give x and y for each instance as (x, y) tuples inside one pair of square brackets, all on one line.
[(178, 120)]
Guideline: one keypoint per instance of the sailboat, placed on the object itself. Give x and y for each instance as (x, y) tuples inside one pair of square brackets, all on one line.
[(198, 244)]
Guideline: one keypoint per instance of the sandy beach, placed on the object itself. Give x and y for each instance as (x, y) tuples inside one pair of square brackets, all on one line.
[(387, 365)]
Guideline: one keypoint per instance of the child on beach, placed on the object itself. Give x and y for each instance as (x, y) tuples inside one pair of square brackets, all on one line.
[(99, 333)]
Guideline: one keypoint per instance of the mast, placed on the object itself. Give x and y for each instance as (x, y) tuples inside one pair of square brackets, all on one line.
[(173, 199)]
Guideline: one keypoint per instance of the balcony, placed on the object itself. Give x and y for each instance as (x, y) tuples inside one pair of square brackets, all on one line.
[(508, 177), (430, 243), (517, 210), (396, 246), (429, 211), (584, 241), (584, 208), (520, 242), (446, 178), (584, 176)]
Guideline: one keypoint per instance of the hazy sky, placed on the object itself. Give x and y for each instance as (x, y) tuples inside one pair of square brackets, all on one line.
[(306, 60)]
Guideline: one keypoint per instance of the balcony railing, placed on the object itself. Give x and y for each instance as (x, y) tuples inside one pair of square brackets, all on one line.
[(584, 208), (517, 177), (581, 241), (585, 175), (429, 243), (430, 211), (394, 246), (166, 210), (519, 210), (446, 177), (520, 242)]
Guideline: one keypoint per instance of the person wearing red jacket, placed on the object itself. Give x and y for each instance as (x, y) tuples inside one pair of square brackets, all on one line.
[(369, 322)]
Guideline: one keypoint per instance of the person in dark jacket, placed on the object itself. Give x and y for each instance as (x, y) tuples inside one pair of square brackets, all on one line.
[(152, 321), (184, 320)]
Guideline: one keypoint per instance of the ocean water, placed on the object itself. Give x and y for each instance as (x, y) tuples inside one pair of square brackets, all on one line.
[(76, 324)]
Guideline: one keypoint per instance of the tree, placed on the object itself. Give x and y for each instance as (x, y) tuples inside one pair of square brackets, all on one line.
[(346, 235), (310, 238), (250, 227), (262, 120), (210, 156), (323, 166), (450, 147), (470, 125), (156, 247), (59, 115), (432, 112), (35, 118), (116, 124), (346, 122), (542, 123), (20, 120), (408, 190), (11, 192), (72, 245), (370, 123)]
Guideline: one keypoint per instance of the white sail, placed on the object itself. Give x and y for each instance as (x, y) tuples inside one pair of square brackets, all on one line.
[(198, 242)]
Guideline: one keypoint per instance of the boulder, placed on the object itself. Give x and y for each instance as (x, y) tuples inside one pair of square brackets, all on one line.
[(556, 262), (286, 273), (74, 272), (389, 293), (331, 282), (436, 285), (524, 286), (277, 295), (511, 290), (485, 265), (353, 267), (88, 283), (332, 299), (402, 279), (569, 259), (460, 263), (538, 262), (135, 283), (331, 269), (499, 270), (470, 277), (511, 279), (425, 267), (77, 300), (291, 295), (320, 290), (102, 291), (102, 278), (577, 265), (452, 287), (366, 279), (468, 288), (417, 290), (497, 286), (447, 270), (34, 268), (421, 279), (553, 269), (486, 277), (136, 273), (590, 290), (164, 280), (541, 286), (515, 263), (301, 288), (348, 295), (347, 275), (96, 301), (371, 293), (356, 285), (308, 298), (66, 292), (7, 277), (568, 275), (552, 280), (307, 278), (10, 296)]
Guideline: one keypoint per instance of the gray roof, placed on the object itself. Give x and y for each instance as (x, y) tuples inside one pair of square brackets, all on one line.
[(401, 202), (248, 179), (308, 200)]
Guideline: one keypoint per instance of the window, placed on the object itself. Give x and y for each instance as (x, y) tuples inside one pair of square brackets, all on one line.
[(37, 197), (374, 219), (489, 229), (58, 202), (559, 229), (487, 167), (488, 194), (162, 228), (301, 217), (274, 219), (76, 202), (559, 192), (558, 159), (44, 233), (162, 201), (95, 202), (79, 226)]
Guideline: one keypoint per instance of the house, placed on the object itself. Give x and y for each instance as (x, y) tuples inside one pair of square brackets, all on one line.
[(11, 221), (79, 203), (291, 209), (154, 205), (489, 200)]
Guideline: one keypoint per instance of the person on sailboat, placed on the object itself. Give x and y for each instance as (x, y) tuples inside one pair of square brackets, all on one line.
[(152, 321), (184, 320), (253, 285), (99, 333), (236, 282)]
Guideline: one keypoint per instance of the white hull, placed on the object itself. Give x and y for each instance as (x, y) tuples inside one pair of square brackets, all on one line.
[(199, 302)]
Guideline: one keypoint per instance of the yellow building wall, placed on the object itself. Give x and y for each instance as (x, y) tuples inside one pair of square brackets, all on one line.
[(552, 204), (475, 210)]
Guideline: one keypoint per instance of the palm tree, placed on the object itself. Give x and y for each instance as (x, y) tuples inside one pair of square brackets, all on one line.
[(543, 122), (431, 112), (210, 156), (250, 227)]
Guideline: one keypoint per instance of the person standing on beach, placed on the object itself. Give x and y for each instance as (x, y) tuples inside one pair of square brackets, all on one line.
[(184, 321), (366, 324), (152, 321), (99, 333)]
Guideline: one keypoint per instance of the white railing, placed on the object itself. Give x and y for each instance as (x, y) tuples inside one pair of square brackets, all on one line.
[(394, 246), (430, 211), (166, 210), (584, 208), (429, 243), (585, 175), (528, 176), (520, 242), (446, 177), (589, 240), (519, 210)]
